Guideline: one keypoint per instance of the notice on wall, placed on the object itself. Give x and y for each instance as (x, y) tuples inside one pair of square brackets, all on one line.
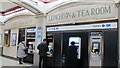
[(77, 41), (39, 35), (13, 40)]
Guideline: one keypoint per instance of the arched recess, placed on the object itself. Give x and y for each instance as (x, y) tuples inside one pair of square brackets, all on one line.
[(7, 18), (13, 24)]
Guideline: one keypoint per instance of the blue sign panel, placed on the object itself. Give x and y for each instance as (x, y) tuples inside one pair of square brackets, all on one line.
[(39, 36)]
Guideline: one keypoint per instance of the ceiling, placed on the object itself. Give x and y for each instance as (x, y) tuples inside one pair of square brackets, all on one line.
[(6, 5), (40, 7)]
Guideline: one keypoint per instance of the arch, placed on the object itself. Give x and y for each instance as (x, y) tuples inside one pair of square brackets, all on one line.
[(81, 2), (16, 15)]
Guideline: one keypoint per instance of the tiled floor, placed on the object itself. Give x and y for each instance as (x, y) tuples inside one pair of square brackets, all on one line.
[(10, 62)]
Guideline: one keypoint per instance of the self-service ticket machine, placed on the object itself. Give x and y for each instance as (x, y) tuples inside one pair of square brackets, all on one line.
[(77, 41), (95, 49)]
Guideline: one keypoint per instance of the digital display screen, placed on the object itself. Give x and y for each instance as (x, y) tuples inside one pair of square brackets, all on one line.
[(75, 39), (96, 47)]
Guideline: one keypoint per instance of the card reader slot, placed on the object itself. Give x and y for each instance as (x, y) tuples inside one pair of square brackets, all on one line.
[(95, 38)]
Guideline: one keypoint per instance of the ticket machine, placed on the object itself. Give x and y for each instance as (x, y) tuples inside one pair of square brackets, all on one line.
[(95, 49), (31, 47), (77, 41)]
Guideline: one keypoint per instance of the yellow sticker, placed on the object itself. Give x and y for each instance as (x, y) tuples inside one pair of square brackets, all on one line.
[(93, 50)]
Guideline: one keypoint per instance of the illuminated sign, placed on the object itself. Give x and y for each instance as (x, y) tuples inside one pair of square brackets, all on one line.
[(102, 25), (31, 30), (84, 27)]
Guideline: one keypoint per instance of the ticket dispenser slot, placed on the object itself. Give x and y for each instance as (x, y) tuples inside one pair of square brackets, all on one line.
[(95, 49)]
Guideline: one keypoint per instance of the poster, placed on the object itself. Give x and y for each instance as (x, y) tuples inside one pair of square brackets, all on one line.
[(13, 41)]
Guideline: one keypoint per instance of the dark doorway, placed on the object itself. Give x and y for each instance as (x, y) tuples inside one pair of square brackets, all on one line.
[(61, 42), (83, 61), (21, 35)]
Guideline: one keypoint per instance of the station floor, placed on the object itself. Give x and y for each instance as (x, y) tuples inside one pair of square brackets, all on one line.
[(10, 63), (6, 62)]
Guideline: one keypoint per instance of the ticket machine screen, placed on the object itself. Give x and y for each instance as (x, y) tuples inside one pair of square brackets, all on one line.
[(95, 47)]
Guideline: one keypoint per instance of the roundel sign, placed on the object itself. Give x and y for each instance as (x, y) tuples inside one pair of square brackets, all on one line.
[(47, 1)]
